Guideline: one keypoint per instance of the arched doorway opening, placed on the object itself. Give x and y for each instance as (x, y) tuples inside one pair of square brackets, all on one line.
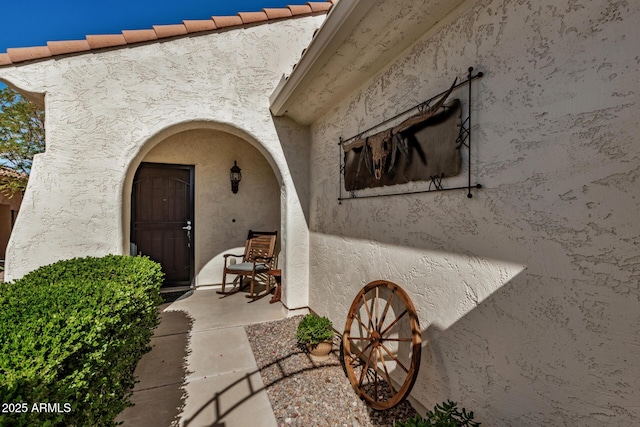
[(196, 163)]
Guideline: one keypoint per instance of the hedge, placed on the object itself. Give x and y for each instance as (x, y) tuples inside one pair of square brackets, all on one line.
[(71, 334)]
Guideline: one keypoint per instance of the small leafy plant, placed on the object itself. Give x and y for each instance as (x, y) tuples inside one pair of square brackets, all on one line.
[(71, 334), (314, 330), (445, 414)]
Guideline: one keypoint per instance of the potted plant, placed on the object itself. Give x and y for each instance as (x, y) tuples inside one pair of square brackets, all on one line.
[(317, 334)]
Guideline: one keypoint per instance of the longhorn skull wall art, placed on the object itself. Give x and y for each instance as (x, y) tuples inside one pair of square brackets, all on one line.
[(426, 142)]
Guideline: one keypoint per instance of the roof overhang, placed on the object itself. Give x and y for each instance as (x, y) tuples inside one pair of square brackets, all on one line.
[(358, 38)]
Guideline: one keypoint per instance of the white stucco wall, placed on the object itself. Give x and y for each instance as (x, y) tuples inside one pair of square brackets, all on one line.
[(222, 218), (106, 110), (528, 293)]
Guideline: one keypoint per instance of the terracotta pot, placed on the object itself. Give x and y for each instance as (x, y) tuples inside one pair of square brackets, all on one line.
[(320, 352)]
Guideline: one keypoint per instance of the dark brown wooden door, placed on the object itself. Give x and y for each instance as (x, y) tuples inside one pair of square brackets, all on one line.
[(162, 206)]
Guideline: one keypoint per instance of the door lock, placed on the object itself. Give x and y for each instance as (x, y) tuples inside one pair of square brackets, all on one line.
[(188, 228)]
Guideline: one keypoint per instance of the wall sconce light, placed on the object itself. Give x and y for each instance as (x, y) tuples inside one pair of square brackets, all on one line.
[(236, 177)]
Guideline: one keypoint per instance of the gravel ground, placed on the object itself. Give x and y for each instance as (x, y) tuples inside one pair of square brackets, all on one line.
[(310, 394)]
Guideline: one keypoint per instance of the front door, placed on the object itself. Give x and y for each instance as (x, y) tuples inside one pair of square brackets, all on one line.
[(162, 218)]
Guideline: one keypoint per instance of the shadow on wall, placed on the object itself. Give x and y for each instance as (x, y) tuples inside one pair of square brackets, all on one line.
[(295, 140), (516, 347), (512, 368), (557, 344), (213, 268)]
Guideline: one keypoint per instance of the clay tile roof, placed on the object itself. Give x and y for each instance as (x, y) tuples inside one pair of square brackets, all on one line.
[(281, 12), (137, 36), (317, 6), (163, 31), (26, 53), (71, 46), (106, 40), (300, 10), (4, 59), (250, 17), (202, 25), (6, 172), (129, 37), (227, 21)]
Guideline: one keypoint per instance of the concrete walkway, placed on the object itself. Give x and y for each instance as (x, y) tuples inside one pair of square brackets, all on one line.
[(201, 370)]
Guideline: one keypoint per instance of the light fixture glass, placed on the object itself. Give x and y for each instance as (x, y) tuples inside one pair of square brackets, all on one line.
[(236, 177)]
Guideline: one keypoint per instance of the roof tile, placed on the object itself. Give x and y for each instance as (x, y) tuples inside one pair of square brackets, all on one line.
[(4, 59), (137, 36), (10, 173), (318, 6), (100, 41), (299, 9), (251, 17), (163, 31), (68, 46), (200, 25), (27, 53), (276, 13), (226, 21), (105, 40)]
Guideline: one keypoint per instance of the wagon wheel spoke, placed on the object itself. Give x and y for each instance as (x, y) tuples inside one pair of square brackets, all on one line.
[(366, 307), (375, 372), (365, 369), (386, 309), (386, 372), (377, 328), (393, 323), (362, 324), (367, 338), (362, 352), (395, 358), (399, 339)]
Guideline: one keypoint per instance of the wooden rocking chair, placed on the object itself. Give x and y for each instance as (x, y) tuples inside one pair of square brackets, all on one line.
[(257, 259)]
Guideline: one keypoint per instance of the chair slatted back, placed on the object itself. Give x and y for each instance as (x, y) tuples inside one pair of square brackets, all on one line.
[(260, 244)]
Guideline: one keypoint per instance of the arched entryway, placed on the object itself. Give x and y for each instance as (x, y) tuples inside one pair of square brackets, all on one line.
[(220, 219)]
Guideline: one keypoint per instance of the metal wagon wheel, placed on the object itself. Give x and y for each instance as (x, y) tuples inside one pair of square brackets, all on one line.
[(381, 343)]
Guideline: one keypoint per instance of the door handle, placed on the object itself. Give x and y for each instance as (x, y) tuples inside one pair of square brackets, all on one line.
[(188, 228)]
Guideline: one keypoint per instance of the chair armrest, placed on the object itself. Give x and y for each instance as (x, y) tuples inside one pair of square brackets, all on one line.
[(226, 258), (265, 258), (237, 256)]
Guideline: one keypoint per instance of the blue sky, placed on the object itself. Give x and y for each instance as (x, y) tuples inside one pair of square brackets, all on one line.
[(34, 22)]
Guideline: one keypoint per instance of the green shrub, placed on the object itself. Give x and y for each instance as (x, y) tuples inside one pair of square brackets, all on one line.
[(444, 415), (313, 330), (71, 334)]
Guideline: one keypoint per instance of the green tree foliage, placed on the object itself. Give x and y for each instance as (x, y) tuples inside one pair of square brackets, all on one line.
[(21, 138)]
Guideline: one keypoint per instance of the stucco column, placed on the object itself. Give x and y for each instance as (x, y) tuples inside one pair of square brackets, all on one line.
[(295, 251)]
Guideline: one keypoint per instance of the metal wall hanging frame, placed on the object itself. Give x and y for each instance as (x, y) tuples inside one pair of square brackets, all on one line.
[(436, 184)]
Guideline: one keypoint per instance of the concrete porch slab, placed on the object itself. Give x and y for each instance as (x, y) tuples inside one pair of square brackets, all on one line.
[(230, 400), (223, 350), (211, 311), (201, 370), (159, 407)]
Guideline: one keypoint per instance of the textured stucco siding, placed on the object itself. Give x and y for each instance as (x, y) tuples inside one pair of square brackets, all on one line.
[(528, 294), (106, 110)]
